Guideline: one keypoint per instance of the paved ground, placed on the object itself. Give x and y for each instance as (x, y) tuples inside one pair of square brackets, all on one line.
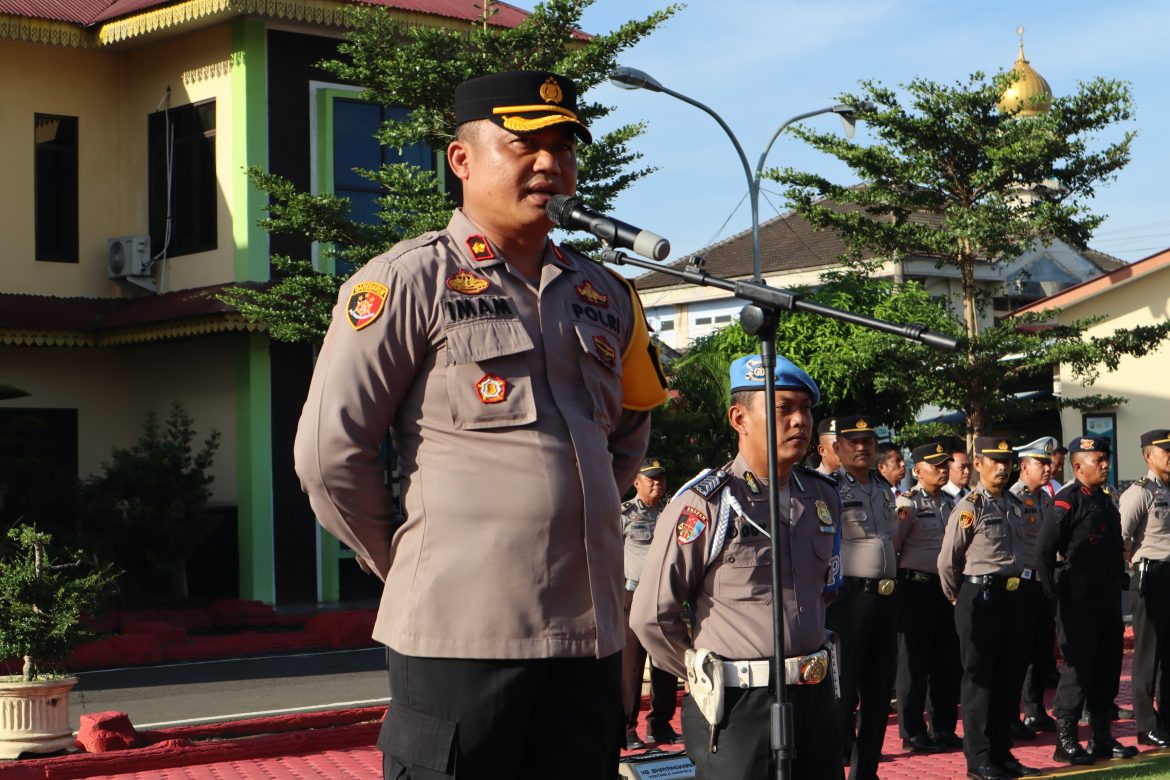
[(320, 754)]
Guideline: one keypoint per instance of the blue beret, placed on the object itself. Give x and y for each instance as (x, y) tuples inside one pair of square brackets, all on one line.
[(1089, 443), (747, 373)]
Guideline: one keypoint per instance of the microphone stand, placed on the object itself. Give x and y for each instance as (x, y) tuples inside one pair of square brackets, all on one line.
[(760, 318)]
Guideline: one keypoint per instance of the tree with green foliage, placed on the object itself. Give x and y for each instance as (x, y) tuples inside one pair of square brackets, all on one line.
[(856, 369), (419, 67), (147, 511), (43, 598), (953, 177)]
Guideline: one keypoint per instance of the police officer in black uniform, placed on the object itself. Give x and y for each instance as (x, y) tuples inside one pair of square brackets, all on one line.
[(1087, 536)]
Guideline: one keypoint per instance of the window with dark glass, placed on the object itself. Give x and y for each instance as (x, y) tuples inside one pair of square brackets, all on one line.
[(55, 195), (354, 146), (183, 190)]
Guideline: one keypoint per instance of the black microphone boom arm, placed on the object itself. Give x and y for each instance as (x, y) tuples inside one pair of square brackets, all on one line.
[(777, 298)]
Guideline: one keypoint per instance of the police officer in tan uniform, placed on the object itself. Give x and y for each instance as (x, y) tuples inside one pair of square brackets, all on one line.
[(928, 648), (1086, 536), (517, 378), (639, 516), (981, 565), (863, 615), (1035, 472), (711, 549), (1145, 532)]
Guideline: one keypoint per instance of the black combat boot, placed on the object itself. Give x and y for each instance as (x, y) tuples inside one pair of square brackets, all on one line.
[(1101, 741), (1068, 749)]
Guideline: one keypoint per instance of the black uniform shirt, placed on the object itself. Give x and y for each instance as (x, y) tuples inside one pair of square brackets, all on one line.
[(1087, 533)]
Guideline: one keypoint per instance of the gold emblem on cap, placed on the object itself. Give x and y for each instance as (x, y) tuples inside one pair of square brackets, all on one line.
[(1003, 446), (862, 425), (938, 449), (550, 91), (1086, 444)]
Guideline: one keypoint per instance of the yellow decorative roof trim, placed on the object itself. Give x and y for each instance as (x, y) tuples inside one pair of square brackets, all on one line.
[(48, 31), (199, 326), (320, 12)]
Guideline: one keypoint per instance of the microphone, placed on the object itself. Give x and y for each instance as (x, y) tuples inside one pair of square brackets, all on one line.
[(570, 214)]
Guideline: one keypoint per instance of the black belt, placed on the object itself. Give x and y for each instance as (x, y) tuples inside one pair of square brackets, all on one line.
[(997, 581), (913, 575), (882, 587)]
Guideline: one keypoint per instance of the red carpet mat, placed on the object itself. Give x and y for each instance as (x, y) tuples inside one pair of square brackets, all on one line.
[(347, 751)]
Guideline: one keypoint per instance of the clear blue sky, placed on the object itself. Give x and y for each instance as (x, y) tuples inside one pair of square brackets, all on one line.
[(758, 62)]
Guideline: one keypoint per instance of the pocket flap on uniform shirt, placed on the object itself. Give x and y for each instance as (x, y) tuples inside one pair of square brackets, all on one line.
[(417, 739), (474, 342)]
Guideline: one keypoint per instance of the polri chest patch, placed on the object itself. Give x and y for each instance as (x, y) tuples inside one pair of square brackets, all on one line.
[(366, 302)]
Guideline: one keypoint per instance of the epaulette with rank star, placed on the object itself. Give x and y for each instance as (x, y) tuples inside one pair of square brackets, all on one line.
[(628, 504), (710, 484), (1142, 481)]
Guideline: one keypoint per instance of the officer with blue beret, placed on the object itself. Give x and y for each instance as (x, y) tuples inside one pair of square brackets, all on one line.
[(712, 549), (1086, 535)]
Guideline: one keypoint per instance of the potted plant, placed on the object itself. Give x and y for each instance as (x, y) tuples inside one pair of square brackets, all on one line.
[(42, 601)]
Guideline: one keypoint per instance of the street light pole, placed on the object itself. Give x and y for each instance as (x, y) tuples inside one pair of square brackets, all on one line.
[(761, 322), (632, 78)]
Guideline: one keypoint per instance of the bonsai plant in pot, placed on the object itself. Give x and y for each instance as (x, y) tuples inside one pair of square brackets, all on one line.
[(42, 600)]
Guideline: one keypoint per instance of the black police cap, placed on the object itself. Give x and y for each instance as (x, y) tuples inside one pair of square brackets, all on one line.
[(520, 101), (933, 453), (1157, 438)]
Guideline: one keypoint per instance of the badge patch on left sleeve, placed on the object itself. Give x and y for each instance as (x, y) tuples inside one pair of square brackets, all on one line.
[(691, 523), (365, 304)]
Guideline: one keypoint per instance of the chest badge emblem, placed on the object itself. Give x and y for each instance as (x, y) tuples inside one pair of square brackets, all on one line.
[(590, 294), (491, 389), (823, 514), (605, 351), (467, 283)]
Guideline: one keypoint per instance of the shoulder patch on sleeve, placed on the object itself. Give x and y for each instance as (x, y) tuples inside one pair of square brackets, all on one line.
[(643, 381), (691, 523), (966, 519), (1060, 502), (710, 484)]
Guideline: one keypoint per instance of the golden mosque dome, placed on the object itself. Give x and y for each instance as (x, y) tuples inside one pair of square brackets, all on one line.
[(1029, 90)]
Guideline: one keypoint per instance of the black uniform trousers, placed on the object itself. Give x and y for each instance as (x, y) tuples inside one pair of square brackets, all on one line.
[(1151, 646), (928, 658), (743, 743), (474, 719), (865, 624), (1042, 660), (992, 624), (663, 684), (1090, 633)]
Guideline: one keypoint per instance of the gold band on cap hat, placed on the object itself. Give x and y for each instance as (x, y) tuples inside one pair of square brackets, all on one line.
[(529, 109)]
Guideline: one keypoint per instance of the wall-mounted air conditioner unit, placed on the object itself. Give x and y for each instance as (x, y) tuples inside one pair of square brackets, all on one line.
[(129, 256), (129, 260)]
